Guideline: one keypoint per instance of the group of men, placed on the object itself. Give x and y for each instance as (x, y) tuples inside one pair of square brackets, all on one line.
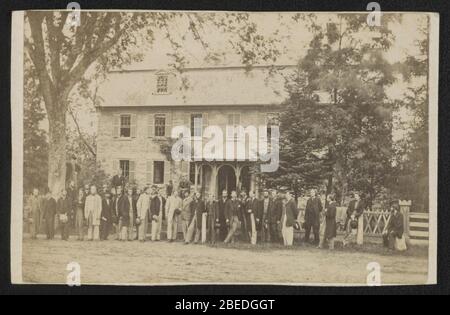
[(129, 214)]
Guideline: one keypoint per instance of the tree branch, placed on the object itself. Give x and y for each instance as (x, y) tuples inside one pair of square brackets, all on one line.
[(80, 134)]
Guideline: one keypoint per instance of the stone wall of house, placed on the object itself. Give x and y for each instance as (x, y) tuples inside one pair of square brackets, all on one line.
[(142, 148)]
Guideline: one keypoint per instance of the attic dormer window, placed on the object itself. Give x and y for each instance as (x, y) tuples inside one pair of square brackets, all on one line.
[(162, 83)]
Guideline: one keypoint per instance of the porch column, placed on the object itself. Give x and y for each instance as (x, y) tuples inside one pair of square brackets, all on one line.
[(213, 185), (237, 171), (196, 167)]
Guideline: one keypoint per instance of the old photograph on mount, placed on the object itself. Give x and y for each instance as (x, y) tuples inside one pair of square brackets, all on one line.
[(160, 147)]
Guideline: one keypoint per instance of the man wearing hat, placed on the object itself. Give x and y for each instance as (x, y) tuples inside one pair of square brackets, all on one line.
[(49, 215), (395, 227), (106, 216), (289, 218), (355, 211)]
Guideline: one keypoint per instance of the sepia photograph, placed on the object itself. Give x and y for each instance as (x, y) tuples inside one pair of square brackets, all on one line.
[(215, 147)]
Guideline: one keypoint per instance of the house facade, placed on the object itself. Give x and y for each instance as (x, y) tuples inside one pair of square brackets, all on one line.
[(141, 108)]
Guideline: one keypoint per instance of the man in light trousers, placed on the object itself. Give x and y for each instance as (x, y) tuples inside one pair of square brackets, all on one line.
[(92, 211), (143, 208), (173, 210), (186, 214)]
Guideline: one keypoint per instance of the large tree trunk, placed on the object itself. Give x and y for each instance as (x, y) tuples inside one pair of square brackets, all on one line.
[(57, 151)]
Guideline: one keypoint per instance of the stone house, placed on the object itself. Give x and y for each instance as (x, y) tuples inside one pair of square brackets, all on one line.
[(140, 108)]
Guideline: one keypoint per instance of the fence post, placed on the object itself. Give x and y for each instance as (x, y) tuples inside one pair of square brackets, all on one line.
[(405, 207)]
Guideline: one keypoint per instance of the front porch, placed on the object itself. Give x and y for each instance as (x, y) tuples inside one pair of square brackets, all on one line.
[(215, 177)]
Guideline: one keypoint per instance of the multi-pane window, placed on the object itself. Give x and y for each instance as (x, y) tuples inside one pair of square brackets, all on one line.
[(162, 84), (160, 125), (125, 167), (125, 126), (196, 125), (158, 172)]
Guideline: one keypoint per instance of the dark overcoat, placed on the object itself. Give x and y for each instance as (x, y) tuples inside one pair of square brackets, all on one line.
[(330, 221)]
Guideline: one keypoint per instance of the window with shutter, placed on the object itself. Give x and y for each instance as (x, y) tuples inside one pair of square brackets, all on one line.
[(196, 125), (149, 178), (150, 125), (125, 167), (158, 172), (168, 126), (125, 126), (160, 125), (116, 126), (133, 126), (167, 174)]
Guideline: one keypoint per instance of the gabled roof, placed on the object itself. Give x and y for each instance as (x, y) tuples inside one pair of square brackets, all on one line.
[(211, 86)]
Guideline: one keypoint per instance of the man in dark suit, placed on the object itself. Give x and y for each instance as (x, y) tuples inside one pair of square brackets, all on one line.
[(312, 217), (222, 218), (244, 202), (234, 216), (251, 215), (355, 210), (265, 210), (157, 206), (49, 215), (290, 214), (394, 229), (64, 213), (106, 216), (123, 209), (275, 217)]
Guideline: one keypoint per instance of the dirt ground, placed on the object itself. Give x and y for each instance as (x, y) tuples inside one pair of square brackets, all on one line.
[(113, 262)]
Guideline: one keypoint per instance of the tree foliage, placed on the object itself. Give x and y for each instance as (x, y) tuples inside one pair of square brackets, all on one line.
[(338, 124)]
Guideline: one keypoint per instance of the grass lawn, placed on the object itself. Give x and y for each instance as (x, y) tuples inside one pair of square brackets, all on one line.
[(113, 262)]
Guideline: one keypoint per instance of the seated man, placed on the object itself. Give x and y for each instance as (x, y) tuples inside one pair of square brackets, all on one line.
[(394, 230)]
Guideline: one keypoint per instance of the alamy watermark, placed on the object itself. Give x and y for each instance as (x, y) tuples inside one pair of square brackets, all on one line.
[(241, 143)]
